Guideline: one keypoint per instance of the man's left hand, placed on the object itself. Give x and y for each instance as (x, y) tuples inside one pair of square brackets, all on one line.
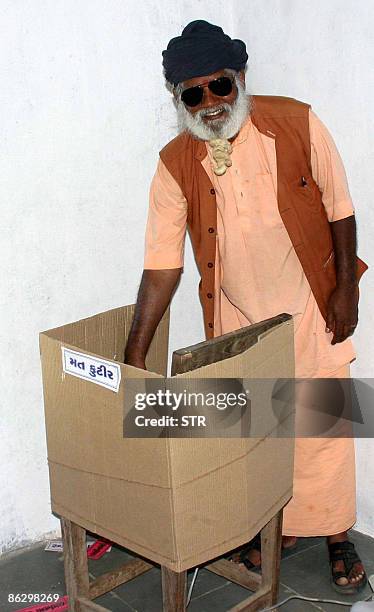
[(342, 313)]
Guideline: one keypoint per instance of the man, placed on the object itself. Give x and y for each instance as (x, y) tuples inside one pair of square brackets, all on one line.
[(246, 175)]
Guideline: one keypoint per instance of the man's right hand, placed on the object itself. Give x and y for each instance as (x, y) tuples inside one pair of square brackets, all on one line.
[(155, 292), (136, 363)]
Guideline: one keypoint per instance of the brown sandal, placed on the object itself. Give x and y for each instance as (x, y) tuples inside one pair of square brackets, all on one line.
[(254, 544), (346, 552)]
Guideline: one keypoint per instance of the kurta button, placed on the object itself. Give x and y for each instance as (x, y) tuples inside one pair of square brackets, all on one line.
[(209, 295), (210, 325), (211, 230), (212, 191), (210, 265)]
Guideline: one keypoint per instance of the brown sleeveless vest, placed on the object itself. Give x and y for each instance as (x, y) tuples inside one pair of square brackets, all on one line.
[(300, 205)]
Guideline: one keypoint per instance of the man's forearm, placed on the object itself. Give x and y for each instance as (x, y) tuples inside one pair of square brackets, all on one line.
[(342, 309), (155, 292), (345, 245)]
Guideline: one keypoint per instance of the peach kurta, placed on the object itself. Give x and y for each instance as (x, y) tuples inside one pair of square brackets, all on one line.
[(258, 275)]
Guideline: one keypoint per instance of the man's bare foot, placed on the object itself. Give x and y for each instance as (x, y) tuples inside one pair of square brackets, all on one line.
[(356, 575)]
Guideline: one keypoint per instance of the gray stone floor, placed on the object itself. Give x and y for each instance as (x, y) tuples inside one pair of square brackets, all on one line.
[(304, 570)]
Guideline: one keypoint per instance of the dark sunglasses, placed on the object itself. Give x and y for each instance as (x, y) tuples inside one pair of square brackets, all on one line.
[(219, 87)]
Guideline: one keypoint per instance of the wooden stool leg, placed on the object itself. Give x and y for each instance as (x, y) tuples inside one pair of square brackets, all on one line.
[(271, 544), (174, 590), (75, 562)]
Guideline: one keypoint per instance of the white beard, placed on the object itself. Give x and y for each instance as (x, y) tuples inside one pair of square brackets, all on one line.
[(221, 128)]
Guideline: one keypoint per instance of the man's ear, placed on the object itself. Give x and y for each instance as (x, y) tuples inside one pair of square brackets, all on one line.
[(242, 76)]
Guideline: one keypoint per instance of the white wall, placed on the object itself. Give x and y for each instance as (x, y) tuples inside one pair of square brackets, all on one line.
[(84, 113)]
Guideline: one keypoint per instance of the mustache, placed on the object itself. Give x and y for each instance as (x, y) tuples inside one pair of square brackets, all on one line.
[(220, 107)]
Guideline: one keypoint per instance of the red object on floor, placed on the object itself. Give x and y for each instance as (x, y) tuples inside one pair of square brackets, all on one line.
[(54, 606), (98, 549)]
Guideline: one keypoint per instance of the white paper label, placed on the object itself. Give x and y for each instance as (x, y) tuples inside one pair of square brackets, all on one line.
[(99, 371), (55, 546)]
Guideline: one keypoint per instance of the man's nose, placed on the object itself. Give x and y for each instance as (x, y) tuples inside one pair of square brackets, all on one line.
[(209, 98)]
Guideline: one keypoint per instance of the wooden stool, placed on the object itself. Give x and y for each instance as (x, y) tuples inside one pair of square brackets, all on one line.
[(81, 591)]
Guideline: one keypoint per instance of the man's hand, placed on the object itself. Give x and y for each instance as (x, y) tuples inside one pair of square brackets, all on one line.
[(342, 313), (137, 363)]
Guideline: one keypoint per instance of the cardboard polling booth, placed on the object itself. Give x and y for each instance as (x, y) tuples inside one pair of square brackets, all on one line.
[(178, 502)]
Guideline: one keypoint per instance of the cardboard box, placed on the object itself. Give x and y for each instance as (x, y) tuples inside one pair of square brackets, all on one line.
[(177, 502)]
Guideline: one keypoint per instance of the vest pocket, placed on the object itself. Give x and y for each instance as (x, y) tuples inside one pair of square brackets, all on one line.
[(329, 272), (307, 191), (329, 260)]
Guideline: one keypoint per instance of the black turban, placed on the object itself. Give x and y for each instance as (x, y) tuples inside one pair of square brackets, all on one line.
[(202, 49)]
